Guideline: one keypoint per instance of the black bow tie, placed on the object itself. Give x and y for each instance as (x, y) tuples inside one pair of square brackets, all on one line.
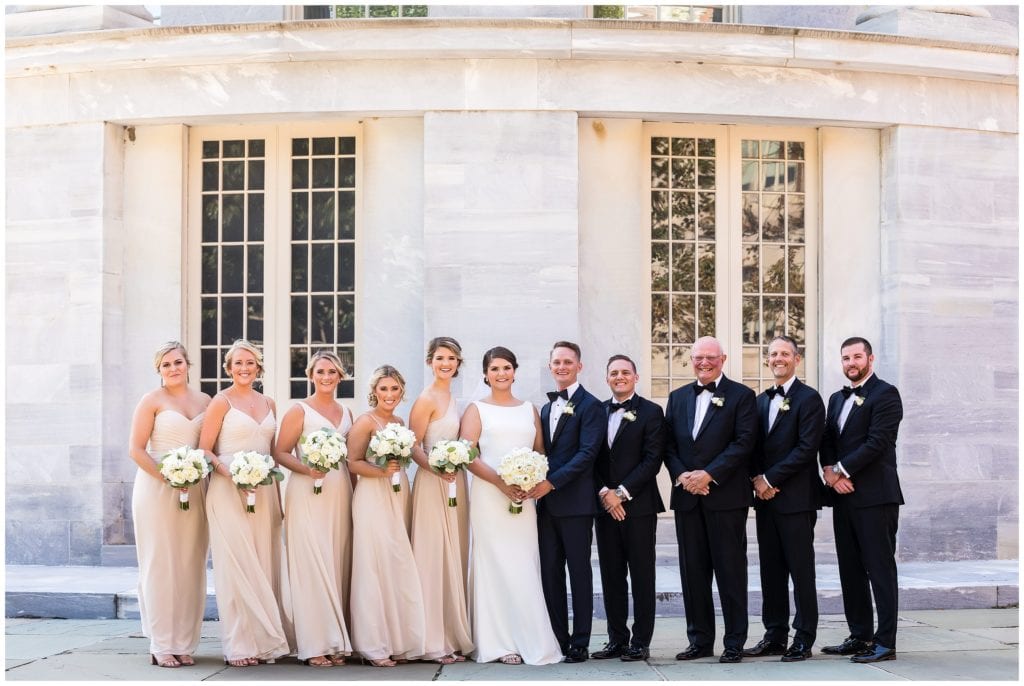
[(555, 395), (698, 389), (612, 407), (776, 391), (846, 391)]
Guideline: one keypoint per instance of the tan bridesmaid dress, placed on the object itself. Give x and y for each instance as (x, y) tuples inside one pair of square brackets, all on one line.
[(387, 604), (318, 541), (440, 544), (247, 563), (171, 546)]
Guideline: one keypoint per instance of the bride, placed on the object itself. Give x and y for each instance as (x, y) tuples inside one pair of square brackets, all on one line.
[(509, 618)]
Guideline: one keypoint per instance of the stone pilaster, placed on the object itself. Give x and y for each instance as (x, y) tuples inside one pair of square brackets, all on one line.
[(949, 336), (501, 236)]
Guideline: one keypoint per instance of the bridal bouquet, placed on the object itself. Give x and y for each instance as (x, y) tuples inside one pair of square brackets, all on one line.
[(393, 442), (184, 467), (449, 457), (524, 468), (323, 450), (250, 469)]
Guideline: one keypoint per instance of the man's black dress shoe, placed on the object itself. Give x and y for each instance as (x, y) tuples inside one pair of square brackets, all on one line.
[(731, 655), (576, 654), (765, 647), (693, 652), (850, 646), (634, 654), (610, 650), (797, 653), (878, 653)]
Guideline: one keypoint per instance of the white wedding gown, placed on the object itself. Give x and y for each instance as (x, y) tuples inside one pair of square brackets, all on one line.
[(507, 607)]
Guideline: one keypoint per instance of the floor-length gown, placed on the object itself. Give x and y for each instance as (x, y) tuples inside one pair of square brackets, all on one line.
[(171, 545), (440, 544), (387, 602), (318, 541), (506, 598), (247, 564)]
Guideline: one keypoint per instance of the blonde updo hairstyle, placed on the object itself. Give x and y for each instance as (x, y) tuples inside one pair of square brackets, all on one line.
[(383, 372), (169, 346), (450, 344), (242, 344), (328, 355)]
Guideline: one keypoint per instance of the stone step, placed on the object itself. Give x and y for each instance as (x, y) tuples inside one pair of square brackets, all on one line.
[(110, 592)]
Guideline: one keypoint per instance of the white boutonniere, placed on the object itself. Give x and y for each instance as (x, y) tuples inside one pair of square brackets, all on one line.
[(784, 407), (569, 409), (629, 416), (717, 400), (858, 400)]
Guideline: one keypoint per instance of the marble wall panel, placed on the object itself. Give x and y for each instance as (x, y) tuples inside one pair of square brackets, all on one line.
[(511, 226), (951, 265), (35, 541)]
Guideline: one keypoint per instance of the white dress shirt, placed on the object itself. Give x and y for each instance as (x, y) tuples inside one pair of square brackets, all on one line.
[(614, 421), (844, 414), (703, 400), (776, 403), (557, 407)]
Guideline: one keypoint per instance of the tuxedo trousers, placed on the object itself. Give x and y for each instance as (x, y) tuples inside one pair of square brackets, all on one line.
[(713, 543), (866, 551), (785, 547), (565, 542), (624, 549)]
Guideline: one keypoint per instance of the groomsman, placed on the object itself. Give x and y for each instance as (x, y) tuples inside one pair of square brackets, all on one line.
[(858, 458), (787, 486), (573, 423), (712, 430), (627, 469)]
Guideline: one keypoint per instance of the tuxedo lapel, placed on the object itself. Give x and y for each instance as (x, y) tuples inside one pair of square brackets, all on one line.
[(689, 408), (545, 424), (707, 416), (622, 425), (562, 420), (764, 412)]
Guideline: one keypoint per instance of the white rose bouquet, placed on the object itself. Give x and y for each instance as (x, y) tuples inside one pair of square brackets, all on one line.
[(250, 469), (323, 450), (523, 468), (393, 442), (184, 467), (448, 457)]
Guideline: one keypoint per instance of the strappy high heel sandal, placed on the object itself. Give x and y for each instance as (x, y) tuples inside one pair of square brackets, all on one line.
[(185, 660)]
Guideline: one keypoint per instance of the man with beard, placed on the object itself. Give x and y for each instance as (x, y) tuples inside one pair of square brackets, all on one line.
[(858, 459)]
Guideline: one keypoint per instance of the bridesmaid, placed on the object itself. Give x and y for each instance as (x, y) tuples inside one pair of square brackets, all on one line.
[(246, 547), (440, 534), (387, 603), (318, 528), (171, 543)]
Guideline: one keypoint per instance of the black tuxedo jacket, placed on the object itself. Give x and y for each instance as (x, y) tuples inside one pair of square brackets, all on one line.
[(867, 444), (571, 455), (635, 457), (787, 454), (722, 448)]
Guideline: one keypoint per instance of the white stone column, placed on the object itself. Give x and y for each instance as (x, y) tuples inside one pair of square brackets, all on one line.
[(950, 337), (58, 308), (501, 237)]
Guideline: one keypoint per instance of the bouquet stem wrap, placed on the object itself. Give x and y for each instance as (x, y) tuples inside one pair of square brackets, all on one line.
[(452, 490), (396, 481), (250, 502), (183, 500)]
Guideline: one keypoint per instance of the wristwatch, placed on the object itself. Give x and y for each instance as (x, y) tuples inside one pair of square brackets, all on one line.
[(619, 493)]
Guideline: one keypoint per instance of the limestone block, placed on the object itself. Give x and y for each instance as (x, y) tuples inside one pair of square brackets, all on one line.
[(84, 543), (38, 464), (939, 24), (36, 541), (83, 461)]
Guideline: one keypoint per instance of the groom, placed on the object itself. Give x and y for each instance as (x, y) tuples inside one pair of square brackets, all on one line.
[(574, 426)]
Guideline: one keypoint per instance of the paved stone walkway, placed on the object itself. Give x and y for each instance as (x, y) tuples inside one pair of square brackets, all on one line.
[(947, 645)]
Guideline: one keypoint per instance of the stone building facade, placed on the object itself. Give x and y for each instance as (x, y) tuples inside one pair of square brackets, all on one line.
[(369, 184)]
